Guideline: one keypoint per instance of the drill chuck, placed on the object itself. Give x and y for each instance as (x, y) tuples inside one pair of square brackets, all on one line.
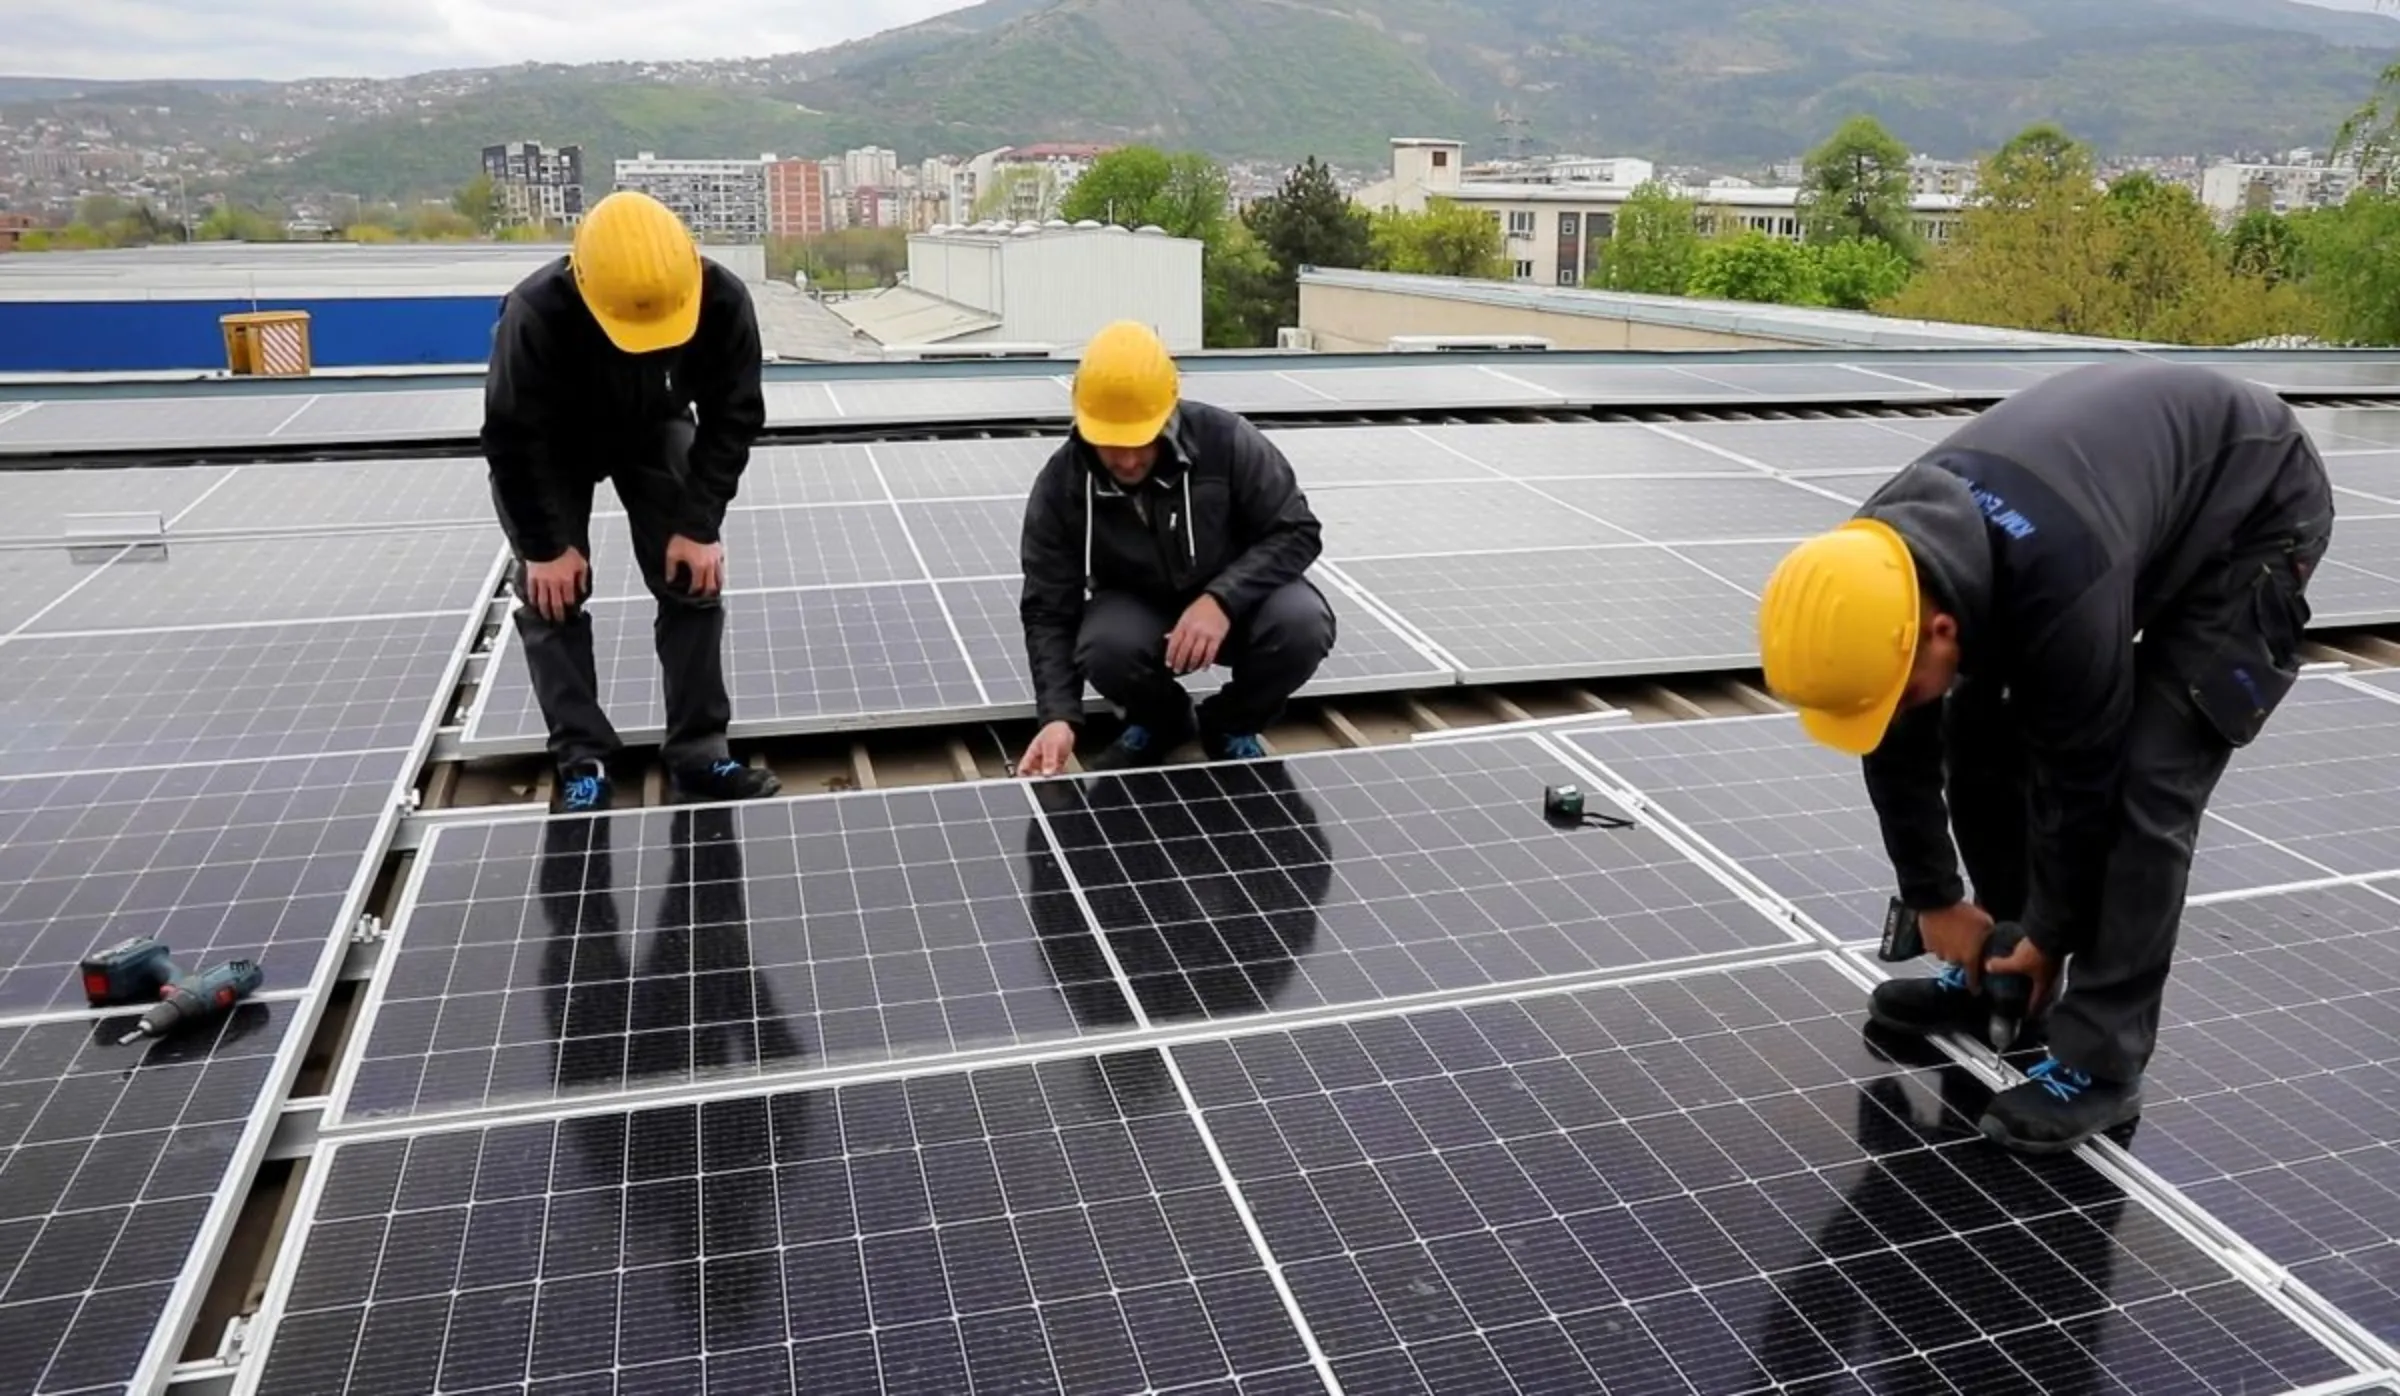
[(196, 998)]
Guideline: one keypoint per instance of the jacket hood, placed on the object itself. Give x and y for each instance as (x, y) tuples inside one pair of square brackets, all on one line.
[(1935, 513)]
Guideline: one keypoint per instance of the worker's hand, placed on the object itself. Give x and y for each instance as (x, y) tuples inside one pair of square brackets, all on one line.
[(1192, 644), (557, 587), (2028, 960), (701, 565), (1047, 754), (1957, 934)]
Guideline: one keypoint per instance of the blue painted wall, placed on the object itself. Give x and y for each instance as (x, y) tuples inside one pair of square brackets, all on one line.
[(125, 336)]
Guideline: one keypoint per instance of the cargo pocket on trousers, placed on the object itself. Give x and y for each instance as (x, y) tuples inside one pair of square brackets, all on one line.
[(2254, 666)]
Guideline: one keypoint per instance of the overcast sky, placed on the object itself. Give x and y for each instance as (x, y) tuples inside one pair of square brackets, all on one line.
[(285, 39)]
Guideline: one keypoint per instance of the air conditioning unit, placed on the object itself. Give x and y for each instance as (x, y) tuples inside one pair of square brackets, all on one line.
[(1294, 337), (936, 353), (1463, 343)]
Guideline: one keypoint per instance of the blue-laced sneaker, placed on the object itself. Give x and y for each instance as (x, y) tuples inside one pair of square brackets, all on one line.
[(1137, 745), (1236, 746), (724, 779), (582, 789), (1930, 1005), (2058, 1107)]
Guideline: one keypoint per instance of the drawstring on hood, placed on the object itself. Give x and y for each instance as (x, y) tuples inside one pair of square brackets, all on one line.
[(1092, 492), (1935, 512)]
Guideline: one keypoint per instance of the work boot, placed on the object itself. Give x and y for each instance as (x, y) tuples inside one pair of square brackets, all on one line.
[(1232, 746), (723, 779), (583, 788), (1142, 744), (1942, 1003), (2058, 1107)]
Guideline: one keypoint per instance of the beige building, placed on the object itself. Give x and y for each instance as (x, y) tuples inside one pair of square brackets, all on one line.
[(1344, 312), (1553, 231), (1026, 285)]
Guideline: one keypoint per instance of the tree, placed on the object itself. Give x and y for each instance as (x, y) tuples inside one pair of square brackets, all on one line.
[(1859, 274), (2351, 256), (478, 202), (1184, 193), (1308, 222), (1657, 240), (1029, 191), (1241, 294), (231, 222), (1752, 266), (1447, 239), (1856, 185), (2267, 245), (2370, 137)]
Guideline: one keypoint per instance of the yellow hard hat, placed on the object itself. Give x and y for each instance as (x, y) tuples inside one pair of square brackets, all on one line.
[(1125, 388), (1837, 632), (639, 272)]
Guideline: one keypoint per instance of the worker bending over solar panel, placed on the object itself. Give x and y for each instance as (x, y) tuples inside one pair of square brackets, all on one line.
[(630, 359), (2047, 636), (1164, 536)]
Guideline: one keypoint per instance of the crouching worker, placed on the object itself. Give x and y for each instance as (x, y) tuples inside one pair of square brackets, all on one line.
[(2048, 635), (1165, 536)]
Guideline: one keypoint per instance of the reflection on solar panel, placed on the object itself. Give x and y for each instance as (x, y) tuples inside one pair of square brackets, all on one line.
[(1800, 382), (214, 582), (1448, 385), (1587, 612), (115, 423), (2345, 428), (220, 861), (254, 692), (36, 505), (296, 498), (2306, 376), (658, 949), (1808, 447), (767, 549), (795, 661), (111, 1160), (385, 415), (1059, 1227), (1709, 1183), (1973, 376)]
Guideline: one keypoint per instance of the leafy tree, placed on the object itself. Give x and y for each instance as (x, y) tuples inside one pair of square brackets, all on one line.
[(2371, 135), (230, 222), (1184, 193), (1017, 190), (1656, 243), (1241, 294), (478, 202), (1856, 185), (1859, 273), (2265, 244), (1752, 266), (2352, 260), (1447, 239), (1308, 222)]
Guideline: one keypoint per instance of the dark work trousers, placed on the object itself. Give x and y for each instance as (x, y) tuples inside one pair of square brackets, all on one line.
[(689, 630), (2209, 670), (1122, 650)]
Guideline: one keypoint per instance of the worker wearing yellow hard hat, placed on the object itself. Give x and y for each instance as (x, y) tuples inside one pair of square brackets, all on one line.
[(2046, 638), (636, 360), (1163, 538)]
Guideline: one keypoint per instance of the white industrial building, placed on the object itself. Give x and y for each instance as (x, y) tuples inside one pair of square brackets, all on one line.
[(719, 200), (1050, 285), (2230, 188)]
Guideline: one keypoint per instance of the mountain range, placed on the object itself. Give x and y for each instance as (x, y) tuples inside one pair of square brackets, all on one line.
[(1725, 82)]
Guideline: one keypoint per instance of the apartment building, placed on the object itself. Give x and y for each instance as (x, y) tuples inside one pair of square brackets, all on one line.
[(536, 186), (799, 205), (719, 200), (2231, 188)]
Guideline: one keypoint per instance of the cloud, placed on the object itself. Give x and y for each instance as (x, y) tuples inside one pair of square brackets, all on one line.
[(286, 39)]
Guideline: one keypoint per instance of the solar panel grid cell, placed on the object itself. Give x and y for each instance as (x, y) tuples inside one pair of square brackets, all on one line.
[(224, 582)]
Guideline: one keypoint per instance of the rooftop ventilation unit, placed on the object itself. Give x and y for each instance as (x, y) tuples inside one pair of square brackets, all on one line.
[(1460, 343)]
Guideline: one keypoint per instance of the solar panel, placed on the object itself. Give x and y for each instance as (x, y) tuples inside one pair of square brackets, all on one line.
[(1434, 385), (2343, 595), (769, 549), (778, 476), (1247, 390), (242, 859), (799, 404), (949, 399), (1794, 815), (111, 1162), (1708, 1183), (32, 579), (795, 661), (1369, 876), (2319, 781), (1326, 457), (549, 960), (1701, 509), (1929, 429), (223, 582), (1058, 1227), (2368, 544), (1582, 613), (2377, 474), (1534, 452), (2337, 428), (1003, 466), (35, 504), (1410, 520), (1852, 488), (2314, 375), (386, 416), (1807, 447), (98, 424), (360, 494), (988, 622), (967, 538), (2266, 1102), (1800, 381), (180, 696), (1592, 385), (1745, 565)]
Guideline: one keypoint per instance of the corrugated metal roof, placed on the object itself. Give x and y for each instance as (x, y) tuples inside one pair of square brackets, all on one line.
[(904, 315), (1808, 324)]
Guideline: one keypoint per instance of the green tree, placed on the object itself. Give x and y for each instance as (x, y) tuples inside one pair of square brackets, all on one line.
[(1753, 266), (478, 202), (2266, 244), (231, 222), (2371, 135), (1656, 243), (1241, 293), (1858, 273), (1184, 193), (2352, 259), (1446, 239), (1309, 222), (1856, 185)]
